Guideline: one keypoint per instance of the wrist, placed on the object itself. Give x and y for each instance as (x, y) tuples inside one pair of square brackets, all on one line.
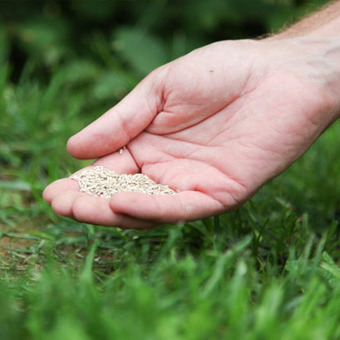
[(324, 58), (321, 53), (324, 23)]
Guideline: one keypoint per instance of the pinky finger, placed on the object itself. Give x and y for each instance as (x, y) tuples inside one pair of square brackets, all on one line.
[(94, 210), (181, 207)]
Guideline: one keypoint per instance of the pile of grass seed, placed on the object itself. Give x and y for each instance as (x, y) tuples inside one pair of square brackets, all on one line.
[(103, 182)]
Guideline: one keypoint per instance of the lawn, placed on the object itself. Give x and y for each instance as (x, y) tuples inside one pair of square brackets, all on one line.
[(269, 270)]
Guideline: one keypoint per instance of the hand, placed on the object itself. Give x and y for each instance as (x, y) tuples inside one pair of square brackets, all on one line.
[(215, 125)]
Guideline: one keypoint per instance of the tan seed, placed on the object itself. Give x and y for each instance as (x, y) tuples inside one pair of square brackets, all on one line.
[(103, 182)]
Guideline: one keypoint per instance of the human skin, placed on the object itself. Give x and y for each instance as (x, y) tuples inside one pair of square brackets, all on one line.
[(215, 125)]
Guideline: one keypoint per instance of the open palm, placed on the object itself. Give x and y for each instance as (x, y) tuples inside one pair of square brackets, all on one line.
[(215, 125)]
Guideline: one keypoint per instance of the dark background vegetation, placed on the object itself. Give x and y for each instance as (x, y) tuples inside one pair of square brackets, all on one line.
[(111, 44)]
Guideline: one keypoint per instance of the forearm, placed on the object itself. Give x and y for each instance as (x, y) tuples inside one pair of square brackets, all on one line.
[(318, 36), (323, 23)]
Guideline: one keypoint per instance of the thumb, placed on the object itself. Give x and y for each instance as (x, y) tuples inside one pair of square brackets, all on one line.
[(123, 122)]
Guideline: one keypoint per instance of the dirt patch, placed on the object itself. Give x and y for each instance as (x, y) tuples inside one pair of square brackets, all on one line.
[(10, 244)]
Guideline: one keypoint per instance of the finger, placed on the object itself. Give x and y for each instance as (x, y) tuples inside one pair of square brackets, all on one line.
[(91, 209), (62, 203), (123, 122), (58, 187), (95, 210), (121, 162), (178, 208)]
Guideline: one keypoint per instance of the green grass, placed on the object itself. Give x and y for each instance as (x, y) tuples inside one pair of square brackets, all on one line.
[(269, 270)]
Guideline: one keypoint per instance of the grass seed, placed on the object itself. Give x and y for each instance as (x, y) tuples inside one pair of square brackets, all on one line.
[(102, 182)]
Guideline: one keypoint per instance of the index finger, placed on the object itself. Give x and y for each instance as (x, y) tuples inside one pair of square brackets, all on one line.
[(123, 122)]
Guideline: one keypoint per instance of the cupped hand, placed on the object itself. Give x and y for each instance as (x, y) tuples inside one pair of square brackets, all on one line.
[(214, 125)]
